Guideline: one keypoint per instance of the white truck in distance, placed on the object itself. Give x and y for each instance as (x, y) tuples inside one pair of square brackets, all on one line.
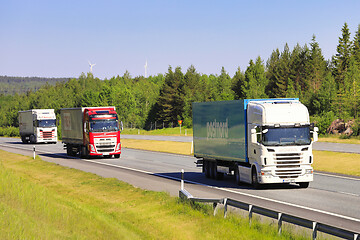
[(260, 141), (38, 126)]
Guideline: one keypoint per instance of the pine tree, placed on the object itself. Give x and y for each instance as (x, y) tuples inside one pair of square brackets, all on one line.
[(255, 80), (356, 46), (238, 82), (283, 73), (171, 98), (317, 66), (224, 86), (342, 58), (272, 72)]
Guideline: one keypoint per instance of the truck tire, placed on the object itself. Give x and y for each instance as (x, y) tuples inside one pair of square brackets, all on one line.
[(254, 179), (32, 139), (84, 152), (237, 175), (117, 156), (216, 175), (304, 184), (207, 168), (24, 140)]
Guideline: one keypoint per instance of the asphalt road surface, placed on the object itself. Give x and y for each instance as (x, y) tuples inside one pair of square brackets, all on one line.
[(320, 146), (330, 199)]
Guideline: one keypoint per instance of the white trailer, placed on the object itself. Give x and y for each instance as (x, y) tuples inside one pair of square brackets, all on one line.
[(38, 126)]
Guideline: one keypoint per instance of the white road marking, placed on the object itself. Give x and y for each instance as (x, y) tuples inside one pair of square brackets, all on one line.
[(337, 176)]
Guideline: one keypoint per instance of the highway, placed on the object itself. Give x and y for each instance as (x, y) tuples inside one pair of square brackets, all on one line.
[(330, 199), (320, 146)]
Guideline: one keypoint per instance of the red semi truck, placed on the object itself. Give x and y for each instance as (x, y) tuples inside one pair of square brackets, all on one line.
[(91, 131)]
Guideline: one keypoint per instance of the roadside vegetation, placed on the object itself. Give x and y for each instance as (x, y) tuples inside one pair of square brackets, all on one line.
[(41, 200)]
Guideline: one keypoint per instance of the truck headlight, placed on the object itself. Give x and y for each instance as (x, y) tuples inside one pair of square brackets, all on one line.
[(308, 171)]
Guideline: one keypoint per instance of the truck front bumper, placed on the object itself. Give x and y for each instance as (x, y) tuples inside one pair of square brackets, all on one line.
[(268, 176)]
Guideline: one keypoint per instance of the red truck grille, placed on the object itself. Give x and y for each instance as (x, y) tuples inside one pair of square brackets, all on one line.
[(48, 134)]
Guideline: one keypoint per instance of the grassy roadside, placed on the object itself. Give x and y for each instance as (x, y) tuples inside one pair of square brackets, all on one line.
[(164, 132), (41, 200), (343, 163)]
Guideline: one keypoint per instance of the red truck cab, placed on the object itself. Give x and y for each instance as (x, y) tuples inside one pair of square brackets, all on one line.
[(102, 132)]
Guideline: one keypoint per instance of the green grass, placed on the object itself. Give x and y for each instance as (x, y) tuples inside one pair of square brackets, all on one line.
[(40, 200), (165, 131)]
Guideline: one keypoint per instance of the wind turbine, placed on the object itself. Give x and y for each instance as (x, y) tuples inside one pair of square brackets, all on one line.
[(91, 66), (146, 66)]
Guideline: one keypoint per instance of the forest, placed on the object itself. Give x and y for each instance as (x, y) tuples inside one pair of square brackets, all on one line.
[(12, 85), (329, 88)]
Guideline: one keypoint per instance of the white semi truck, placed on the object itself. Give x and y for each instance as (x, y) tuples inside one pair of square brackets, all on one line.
[(260, 141), (38, 126)]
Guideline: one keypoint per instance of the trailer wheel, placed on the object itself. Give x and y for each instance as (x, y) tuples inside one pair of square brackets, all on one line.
[(24, 140), (254, 179), (215, 174), (207, 168)]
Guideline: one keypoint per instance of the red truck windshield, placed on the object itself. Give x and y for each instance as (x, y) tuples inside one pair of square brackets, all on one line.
[(104, 123)]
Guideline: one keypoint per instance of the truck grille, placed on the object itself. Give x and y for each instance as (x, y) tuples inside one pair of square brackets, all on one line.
[(105, 145), (47, 134), (288, 165)]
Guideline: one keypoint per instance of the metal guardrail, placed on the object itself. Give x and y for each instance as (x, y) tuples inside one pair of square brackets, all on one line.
[(281, 217)]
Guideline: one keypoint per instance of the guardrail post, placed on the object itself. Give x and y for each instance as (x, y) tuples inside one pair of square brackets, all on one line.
[(279, 222), (225, 207), (182, 179), (314, 230), (215, 208), (250, 214), (34, 152)]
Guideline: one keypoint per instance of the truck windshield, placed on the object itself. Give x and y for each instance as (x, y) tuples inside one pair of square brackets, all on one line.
[(286, 136), (46, 123), (104, 125)]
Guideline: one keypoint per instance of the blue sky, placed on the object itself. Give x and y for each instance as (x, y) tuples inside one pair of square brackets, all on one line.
[(57, 38)]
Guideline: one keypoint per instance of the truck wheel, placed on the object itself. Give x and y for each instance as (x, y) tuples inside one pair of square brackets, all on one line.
[(216, 175), (254, 179), (304, 184), (207, 168), (68, 150), (23, 139), (237, 175), (117, 156), (32, 139), (84, 152)]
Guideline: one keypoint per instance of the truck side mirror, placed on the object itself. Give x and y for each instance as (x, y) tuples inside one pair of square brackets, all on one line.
[(121, 126), (315, 134), (84, 126)]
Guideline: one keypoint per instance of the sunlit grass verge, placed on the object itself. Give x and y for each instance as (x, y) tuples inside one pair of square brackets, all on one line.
[(41, 200), (343, 163), (164, 132), (158, 146), (336, 162), (337, 139)]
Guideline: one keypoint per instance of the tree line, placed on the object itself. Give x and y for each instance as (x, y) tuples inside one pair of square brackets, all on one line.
[(329, 88), (12, 85)]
